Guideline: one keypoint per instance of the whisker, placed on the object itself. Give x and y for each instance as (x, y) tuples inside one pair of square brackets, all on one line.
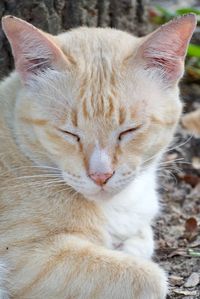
[(169, 176), (35, 176), (35, 184), (180, 145), (172, 161), (43, 169), (168, 150), (65, 189)]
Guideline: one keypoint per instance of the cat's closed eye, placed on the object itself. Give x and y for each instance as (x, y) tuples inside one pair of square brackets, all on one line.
[(129, 131), (70, 134), (121, 135)]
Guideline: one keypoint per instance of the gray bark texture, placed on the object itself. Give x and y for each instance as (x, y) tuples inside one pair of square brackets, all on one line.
[(55, 16)]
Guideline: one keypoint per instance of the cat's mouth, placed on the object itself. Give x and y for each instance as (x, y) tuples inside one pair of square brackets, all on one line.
[(93, 191)]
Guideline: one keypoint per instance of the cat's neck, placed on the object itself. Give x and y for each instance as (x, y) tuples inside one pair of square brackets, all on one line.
[(141, 192), (133, 208)]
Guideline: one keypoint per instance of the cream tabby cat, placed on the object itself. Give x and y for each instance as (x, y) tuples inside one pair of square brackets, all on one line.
[(83, 123)]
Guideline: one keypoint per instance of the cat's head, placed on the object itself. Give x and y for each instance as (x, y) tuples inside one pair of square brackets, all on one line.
[(99, 104)]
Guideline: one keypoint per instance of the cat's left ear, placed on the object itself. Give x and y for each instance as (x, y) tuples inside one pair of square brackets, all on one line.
[(165, 49), (34, 51)]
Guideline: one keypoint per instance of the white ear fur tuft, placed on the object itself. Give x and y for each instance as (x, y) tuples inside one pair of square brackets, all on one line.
[(33, 50), (165, 49)]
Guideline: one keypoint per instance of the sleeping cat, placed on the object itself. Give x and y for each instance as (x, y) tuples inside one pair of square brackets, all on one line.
[(84, 121)]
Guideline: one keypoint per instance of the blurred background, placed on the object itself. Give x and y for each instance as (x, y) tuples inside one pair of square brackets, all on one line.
[(177, 231)]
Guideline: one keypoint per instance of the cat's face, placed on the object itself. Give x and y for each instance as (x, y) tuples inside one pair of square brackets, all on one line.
[(103, 114), (97, 129)]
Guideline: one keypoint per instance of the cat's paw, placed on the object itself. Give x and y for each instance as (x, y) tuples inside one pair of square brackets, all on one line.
[(149, 281), (153, 282), (3, 279)]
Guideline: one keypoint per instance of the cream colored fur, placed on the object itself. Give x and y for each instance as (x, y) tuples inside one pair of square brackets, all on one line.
[(63, 235)]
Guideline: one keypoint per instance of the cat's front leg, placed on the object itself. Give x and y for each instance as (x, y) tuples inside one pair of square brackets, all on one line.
[(69, 267), (3, 279), (140, 245)]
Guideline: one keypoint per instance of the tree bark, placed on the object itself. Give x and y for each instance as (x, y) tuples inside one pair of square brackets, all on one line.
[(55, 16)]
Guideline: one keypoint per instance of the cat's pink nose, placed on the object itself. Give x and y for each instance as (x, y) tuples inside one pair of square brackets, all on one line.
[(101, 178)]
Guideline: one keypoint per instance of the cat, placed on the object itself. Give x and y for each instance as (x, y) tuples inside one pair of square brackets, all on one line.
[(191, 122), (84, 121)]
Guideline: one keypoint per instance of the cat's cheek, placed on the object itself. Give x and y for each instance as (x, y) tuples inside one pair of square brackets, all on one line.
[(131, 154), (48, 141)]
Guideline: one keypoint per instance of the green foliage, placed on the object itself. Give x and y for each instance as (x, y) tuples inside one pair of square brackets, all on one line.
[(163, 15), (193, 50), (193, 253), (186, 10)]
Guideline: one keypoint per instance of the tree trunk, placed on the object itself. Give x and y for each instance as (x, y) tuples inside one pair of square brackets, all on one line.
[(55, 16)]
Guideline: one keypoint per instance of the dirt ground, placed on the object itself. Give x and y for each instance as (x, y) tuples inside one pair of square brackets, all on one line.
[(177, 230)]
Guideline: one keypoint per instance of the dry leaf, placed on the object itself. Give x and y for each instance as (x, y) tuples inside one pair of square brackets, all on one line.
[(185, 292), (196, 162), (178, 252), (192, 281), (191, 122), (176, 280), (191, 228), (190, 179), (196, 243), (191, 225)]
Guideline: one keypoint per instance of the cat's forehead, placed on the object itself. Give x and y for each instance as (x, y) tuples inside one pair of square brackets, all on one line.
[(103, 88), (99, 96), (102, 119), (91, 44)]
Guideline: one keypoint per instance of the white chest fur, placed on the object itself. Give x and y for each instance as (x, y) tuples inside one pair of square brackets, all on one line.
[(130, 212)]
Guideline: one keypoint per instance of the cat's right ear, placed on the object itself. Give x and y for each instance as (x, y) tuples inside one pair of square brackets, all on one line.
[(164, 50), (34, 51)]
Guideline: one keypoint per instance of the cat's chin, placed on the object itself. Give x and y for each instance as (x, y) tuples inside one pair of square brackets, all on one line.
[(101, 195)]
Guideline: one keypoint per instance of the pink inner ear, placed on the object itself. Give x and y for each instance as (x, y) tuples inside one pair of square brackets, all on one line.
[(170, 67), (32, 49), (165, 49)]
